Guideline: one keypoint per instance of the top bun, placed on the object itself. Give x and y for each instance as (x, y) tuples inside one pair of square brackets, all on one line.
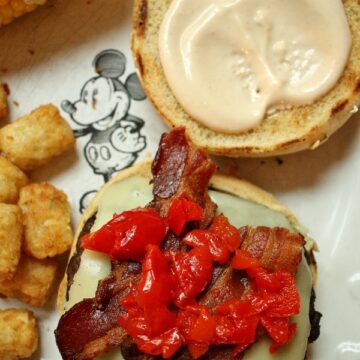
[(285, 131)]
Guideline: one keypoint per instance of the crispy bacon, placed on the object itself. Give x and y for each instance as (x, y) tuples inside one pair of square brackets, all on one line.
[(229, 284), (180, 168), (276, 248), (90, 328), (84, 332)]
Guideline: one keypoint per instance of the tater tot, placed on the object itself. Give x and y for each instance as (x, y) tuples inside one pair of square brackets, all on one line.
[(47, 215), (11, 231), (3, 102), (34, 139), (32, 282), (19, 337), (11, 180)]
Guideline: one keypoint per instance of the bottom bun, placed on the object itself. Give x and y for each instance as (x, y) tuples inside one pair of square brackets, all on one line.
[(231, 194)]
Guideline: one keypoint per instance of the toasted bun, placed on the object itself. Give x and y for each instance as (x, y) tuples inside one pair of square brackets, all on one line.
[(285, 131), (221, 182)]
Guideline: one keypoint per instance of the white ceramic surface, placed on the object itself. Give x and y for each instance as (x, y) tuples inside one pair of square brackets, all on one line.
[(47, 57)]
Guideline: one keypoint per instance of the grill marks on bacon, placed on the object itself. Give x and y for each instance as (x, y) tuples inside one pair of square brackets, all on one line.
[(90, 328), (85, 332), (276, 248), (230, 284), (180, 168)]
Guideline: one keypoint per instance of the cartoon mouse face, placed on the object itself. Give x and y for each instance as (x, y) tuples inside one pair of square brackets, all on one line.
[(100, 104), (104, 99), (102, 111)]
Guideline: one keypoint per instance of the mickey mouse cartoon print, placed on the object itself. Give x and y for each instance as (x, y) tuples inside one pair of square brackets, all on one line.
[(103, 111)]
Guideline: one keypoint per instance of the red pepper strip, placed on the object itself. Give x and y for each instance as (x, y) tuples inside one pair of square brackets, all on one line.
[(242, 260), (127, 234), (192, 271), (283, 301), (182, 211), (221, 239), (205, 238), (197, 349), (197, 325), (238, 308), (237, 322), (279, 330), (103, 240), (167, 344), (228, 233), (148, 321), (155, 285), (149, 299), (277, 298)]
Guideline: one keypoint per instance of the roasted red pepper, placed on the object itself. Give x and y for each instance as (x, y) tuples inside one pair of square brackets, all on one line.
[(279, 291), (243, 261), (127, 234), (192, 271), (179, 278), (161, 312), (148, 319), (237, 322), (205, 238), (228, 233), (279, 330), (221, 239), (167, 344), (198, 326), (276, 298), (183, 210)]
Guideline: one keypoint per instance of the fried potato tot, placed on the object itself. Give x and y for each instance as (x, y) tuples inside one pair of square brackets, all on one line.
[(34, 139), (11, 180), (47, 215), (11, 232), (32, 282), (3, 102), (19, 337)]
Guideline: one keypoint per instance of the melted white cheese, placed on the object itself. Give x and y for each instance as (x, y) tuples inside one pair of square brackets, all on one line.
[(136, 191)]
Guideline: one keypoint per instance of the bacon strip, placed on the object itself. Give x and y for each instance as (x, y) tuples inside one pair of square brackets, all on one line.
[(276, 248), (90, 328), (229, 285), (85, 332), (180, 168)]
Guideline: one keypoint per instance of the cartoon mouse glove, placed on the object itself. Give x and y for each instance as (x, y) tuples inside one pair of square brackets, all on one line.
[(126, 140)]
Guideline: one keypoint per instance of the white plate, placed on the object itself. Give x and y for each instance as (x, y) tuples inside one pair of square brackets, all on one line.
[(47, 57)]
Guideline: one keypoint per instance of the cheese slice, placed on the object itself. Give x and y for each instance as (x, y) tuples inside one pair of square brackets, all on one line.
[(136, 191)]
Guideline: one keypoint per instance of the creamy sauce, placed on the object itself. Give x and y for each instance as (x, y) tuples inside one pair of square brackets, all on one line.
[(229, 62), (136, 191)]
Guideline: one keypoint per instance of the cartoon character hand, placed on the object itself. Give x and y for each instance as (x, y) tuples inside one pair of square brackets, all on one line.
[(126, 139)]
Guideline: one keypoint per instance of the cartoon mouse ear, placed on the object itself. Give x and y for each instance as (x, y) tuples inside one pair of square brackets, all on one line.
[(110, 63), (134, 87)]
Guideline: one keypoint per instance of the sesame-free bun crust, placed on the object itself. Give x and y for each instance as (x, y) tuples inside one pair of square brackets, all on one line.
[(283, 132), (219, 181)]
